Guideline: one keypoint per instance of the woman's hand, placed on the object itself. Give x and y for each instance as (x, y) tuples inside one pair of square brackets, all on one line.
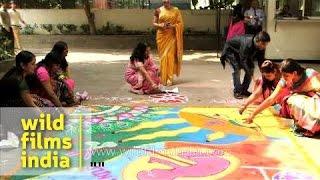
[(242, 108), (249, 119), (169, 26), (162, 25)]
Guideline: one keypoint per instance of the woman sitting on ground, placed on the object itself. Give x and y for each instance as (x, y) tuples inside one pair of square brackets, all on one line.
[(14, 88), (303, 102), (47, 83), (60, 50), (142, 73)]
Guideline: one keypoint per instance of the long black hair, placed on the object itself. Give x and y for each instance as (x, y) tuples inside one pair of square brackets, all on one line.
[(50, 60), (139, 52), (269, 67), (23, 58), (58, 51), (289, 66), (9, 83), (237, 14)]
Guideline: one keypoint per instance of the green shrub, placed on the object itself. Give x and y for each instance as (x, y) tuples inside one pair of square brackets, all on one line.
[(85, 28), (29, 29), (70, 28), (47, 27)]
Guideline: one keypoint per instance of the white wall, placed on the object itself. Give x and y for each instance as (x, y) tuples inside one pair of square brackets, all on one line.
[(130, 19), (53, 16), (297, 39)]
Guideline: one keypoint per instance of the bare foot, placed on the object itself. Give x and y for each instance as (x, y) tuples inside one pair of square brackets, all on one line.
[(136, 91), (169, 82)]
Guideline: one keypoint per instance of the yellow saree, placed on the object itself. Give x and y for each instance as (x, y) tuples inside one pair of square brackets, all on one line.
[(170, 44)]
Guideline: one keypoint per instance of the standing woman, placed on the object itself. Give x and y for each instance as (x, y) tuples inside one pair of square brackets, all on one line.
[(236, 26), (168, 22)]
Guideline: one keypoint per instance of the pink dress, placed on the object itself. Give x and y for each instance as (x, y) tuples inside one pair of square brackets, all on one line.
[(62, 86), (135, 79), (236, 29), (43, 75)]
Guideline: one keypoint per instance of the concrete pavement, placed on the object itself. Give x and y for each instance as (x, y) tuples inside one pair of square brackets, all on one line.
[(100, 72)]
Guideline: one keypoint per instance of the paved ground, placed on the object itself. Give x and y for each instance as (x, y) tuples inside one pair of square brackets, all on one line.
[(100, 72), (203, 80)]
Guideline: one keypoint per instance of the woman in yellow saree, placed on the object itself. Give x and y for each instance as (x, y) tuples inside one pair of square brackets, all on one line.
[(169, 24)]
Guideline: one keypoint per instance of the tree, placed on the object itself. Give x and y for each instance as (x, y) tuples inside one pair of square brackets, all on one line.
[(90, 16), (218, 5)]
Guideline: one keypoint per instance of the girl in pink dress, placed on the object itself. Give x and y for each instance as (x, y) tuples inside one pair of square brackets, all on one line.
[(236, 26), (141, 72), (271, 76)]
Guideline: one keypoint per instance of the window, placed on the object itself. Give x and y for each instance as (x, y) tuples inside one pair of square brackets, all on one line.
[(298, 8), (312, 8)]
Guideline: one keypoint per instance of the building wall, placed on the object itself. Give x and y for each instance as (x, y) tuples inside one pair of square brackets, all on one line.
[(130, 19), (298, 39)]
